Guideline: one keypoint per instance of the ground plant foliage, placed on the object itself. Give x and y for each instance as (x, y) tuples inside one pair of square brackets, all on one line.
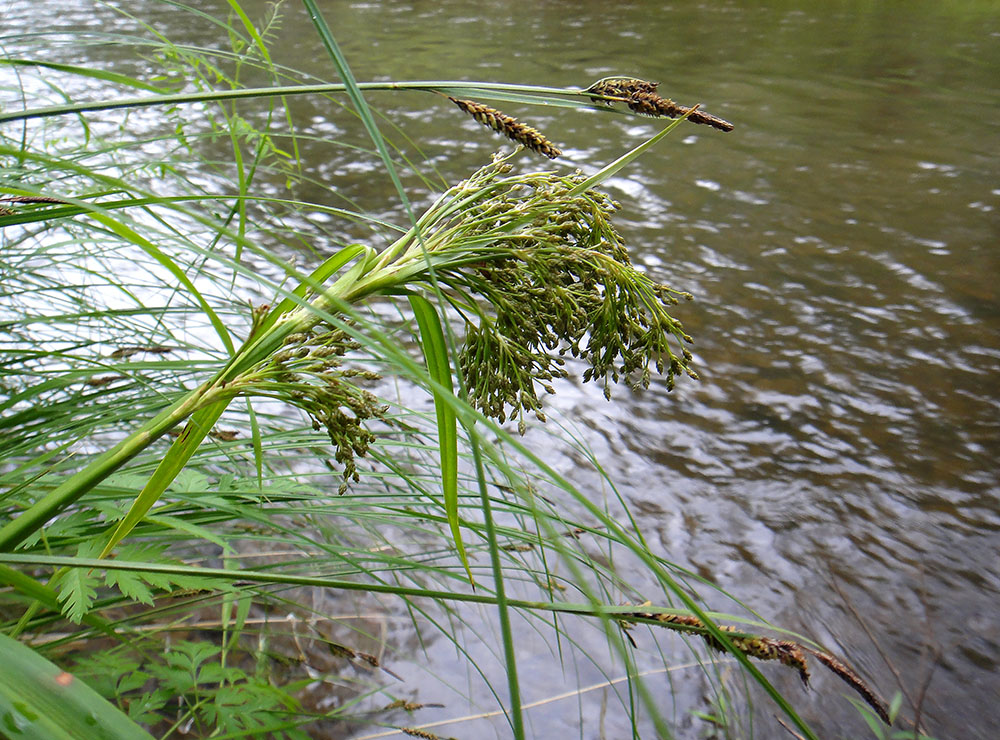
[(205, 457)]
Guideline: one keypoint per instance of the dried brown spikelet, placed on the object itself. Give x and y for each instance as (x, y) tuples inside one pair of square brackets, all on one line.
[(224, 435), (29, 199), (684, 619), (509, 127), (707, 119), (645, 86), (641, 97), (414, 732), (650, 104), (553, 585), (376, 663), (622, 87), (341, 651), (123, 352), (102, 380), (764, 648), (786, 652), (409, 706), (855, 682), (517, 548), (397, 677)]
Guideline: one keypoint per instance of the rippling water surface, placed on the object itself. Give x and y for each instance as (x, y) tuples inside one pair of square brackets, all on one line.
[(843, 246)]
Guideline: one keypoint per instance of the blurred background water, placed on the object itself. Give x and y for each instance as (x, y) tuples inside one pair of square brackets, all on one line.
[(843, 248)]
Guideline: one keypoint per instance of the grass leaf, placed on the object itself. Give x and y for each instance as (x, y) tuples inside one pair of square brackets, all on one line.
[(94, 73), (40, 701), (436, 356), (180, 452)]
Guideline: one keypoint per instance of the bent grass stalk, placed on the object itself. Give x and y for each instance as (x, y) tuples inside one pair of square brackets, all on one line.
[(530, 94), (742, 644)]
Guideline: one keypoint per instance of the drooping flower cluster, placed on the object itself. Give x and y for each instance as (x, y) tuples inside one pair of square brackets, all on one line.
[(550, 277), (308, 372), (534, 266)]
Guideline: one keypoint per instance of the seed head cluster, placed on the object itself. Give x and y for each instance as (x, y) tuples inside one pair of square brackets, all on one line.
[(641, 96), (763, 648), (548, 276), (308, 372)]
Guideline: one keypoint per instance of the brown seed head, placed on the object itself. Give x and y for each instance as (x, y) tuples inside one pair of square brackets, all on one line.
[(856, 682), (622, 87), (641, 97), (651, 104), (509, 127)]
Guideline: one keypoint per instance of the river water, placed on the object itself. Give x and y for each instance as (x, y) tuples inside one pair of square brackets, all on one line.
[(838, 457)]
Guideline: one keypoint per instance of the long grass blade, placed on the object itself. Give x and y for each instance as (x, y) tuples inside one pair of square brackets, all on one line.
[(131, 235), (104, 75), (316, 279), (499, 91), (251, 30), (357, 99), (623, 161), (436, 356), (516, 713), (70, 491), (40, 701), (180, 452)]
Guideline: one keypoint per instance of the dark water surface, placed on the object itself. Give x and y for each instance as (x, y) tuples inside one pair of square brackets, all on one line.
[(843, 246)]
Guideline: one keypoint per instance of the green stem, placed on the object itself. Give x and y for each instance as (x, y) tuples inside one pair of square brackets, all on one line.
[(503, 604), (265, 577), (257, 349), (67, 493), (452, 87)]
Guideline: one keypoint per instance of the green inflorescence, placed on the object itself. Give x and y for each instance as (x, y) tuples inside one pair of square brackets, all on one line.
[(551, 277)]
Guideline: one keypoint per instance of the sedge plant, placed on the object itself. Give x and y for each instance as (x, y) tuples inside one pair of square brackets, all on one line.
[(178, 398)]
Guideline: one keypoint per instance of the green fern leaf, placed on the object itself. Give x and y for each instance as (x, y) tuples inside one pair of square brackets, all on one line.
[(130, 585), (144, 709), (77, 591)]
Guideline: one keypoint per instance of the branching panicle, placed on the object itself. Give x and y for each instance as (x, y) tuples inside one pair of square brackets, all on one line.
[(548, 275), (308, 372)]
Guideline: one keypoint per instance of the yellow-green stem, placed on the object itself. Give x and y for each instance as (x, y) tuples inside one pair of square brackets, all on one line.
[(14, 532)]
